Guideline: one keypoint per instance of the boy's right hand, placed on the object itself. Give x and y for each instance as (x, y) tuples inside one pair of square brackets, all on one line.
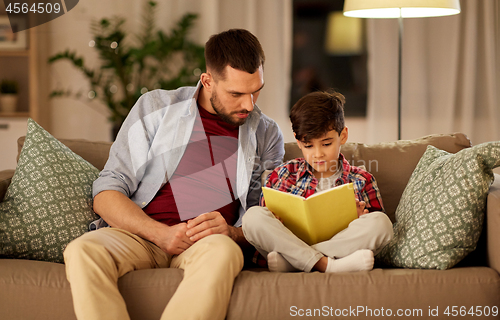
[(277, 217), (360, 207)]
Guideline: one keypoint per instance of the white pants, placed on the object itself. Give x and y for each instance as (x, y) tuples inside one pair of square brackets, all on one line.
[(266, 233), (96, 260)]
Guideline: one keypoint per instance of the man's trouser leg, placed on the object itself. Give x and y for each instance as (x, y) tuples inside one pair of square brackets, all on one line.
[(96, 260), (210, 266)]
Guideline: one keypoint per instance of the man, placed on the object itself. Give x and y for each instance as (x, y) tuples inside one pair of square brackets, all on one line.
[(184, 168)]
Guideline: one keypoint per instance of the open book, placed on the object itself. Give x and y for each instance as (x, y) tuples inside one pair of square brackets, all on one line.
[(317, 218)]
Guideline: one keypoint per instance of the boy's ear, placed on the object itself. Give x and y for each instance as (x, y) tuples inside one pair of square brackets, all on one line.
[(344, 135), (299, 143)]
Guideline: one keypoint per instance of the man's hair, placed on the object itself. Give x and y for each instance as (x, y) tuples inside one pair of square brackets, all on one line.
[(237, 48), (317, 113)]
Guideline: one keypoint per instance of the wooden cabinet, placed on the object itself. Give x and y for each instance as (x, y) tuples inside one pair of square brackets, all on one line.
[(21, 65), (27, 65)]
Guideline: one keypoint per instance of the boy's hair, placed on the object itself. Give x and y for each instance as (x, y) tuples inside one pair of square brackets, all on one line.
[(237, 48), (317, 113)]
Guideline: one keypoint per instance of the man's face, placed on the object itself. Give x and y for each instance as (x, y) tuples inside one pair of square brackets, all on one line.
[(234, 97), (323, 153)]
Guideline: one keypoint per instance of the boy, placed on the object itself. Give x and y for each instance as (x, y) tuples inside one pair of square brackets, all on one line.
[(318, 125)]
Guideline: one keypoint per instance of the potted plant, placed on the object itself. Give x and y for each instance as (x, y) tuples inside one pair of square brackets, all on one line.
[(155, 60), (8, 95)]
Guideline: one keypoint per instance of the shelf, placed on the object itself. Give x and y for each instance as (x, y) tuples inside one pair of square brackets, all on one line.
[(14, 53), (14, 114)]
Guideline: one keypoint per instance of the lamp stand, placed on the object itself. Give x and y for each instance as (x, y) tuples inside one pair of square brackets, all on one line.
[(400, 68)]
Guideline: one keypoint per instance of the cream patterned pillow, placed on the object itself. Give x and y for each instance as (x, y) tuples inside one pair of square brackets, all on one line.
[(49, 201), (440, 216)]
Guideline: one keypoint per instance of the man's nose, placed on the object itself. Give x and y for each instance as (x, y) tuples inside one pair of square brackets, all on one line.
[(249, 103)]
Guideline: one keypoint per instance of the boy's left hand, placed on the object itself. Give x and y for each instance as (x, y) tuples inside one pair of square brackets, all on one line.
[(360, 206)]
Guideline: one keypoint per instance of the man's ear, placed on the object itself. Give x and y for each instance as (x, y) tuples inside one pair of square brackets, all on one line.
[(207, 81), (344, 135)]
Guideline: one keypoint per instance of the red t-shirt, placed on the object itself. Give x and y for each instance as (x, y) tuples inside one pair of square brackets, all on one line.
[(205, 178)]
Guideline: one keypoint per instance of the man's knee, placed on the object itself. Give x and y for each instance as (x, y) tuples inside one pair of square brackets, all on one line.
[(80, 246), (224, 249)]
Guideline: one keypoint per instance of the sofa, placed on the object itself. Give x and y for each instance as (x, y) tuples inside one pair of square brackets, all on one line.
[(471, 289)]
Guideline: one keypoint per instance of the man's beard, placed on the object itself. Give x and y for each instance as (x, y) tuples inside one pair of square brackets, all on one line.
[(226, 117)]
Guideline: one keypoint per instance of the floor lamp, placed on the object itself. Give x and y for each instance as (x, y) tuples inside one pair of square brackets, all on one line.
[(399, 9)]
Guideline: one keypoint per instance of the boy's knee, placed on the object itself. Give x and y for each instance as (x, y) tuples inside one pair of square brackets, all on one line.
[(382, 225), (255, 216)]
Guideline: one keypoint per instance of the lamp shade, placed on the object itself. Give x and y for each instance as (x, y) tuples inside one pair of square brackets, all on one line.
[(400, 8)]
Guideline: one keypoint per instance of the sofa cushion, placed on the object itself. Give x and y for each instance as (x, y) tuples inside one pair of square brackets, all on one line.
[(5, 178), (441, 213), (391, 163), (48, 202), (95, 152)]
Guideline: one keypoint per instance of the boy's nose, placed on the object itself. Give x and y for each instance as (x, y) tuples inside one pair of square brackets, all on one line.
[(318, 153)]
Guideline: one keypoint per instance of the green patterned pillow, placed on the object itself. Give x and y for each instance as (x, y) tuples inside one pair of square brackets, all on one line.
[(49, 201), (440, 216)]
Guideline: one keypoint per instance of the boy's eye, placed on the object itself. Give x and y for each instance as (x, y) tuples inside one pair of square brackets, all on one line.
[(308, 146), (327, 144)]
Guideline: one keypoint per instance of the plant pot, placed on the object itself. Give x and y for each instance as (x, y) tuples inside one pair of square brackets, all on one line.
[(8, 102)]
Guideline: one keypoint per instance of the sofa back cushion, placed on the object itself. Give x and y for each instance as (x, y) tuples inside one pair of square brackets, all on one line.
[(95, 152), (392, 163)]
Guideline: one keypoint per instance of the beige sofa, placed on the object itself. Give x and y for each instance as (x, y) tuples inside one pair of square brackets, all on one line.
[(39, 290)]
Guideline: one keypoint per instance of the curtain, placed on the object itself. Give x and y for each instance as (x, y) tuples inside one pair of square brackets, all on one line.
[(450, 75)]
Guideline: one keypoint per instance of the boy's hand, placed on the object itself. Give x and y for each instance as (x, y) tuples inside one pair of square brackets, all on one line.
[(277, 217), (360, 207)]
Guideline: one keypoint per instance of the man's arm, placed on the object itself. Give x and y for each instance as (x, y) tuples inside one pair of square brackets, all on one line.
[(121, 212)]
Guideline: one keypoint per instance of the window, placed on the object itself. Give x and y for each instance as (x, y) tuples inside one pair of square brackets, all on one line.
[(320, 62)]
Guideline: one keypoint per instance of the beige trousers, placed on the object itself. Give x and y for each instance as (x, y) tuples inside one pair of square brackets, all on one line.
[(266, 233), (96, 260)]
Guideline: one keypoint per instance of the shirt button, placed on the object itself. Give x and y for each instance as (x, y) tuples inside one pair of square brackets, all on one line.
[(144, 203)]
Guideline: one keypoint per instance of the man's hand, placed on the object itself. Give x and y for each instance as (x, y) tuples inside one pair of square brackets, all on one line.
[(360, 207), (207, 224), (174, 239)]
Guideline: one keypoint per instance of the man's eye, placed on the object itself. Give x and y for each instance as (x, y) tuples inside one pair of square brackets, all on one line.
[(236, 95)]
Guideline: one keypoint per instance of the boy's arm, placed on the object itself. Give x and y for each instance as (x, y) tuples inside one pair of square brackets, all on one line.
[(371, 194)]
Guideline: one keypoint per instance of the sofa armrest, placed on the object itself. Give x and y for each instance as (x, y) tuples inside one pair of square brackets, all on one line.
[(493, 225), (5, 177)]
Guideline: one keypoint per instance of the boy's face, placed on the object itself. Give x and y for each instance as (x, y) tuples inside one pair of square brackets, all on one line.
[(323, 153)]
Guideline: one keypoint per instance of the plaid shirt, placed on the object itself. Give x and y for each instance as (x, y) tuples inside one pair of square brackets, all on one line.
[(296, 177)]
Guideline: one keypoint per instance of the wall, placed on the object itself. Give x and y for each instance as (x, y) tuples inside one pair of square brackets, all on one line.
[(268, 20)]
